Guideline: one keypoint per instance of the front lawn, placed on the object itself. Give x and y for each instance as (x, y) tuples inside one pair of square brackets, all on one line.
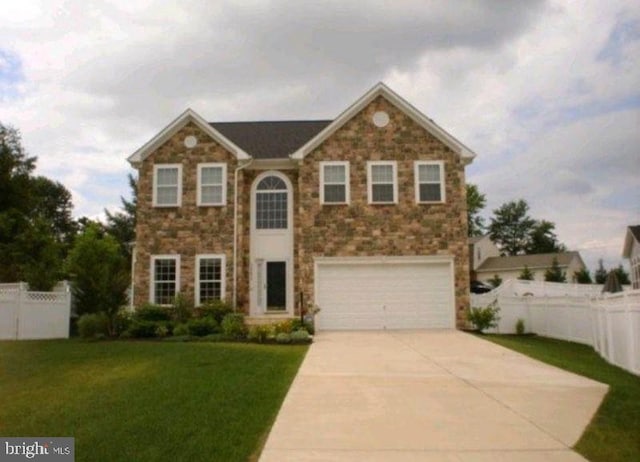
[(614, 432), (146, 401)]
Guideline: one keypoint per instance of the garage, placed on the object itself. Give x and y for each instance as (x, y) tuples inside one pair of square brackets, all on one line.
[(384, 293)]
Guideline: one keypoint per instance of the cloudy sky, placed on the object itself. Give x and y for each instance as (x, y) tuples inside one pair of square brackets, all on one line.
[(546, 92)]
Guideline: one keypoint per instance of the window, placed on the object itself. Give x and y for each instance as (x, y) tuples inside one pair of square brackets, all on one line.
[(210, 279), (212, 184), (429, 177), (383, 182), (635, 272), (334, 182), (165, 278), (271, 203), (167, 185)]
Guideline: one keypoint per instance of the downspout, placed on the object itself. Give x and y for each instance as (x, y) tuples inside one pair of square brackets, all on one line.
[(235, 233)]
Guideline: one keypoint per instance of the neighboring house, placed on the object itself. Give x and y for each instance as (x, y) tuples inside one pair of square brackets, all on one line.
[(480, 248), (364, 216), (511, 267), (632, 252)]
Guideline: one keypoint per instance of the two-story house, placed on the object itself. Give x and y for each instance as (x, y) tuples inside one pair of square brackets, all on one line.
[(363, 216)]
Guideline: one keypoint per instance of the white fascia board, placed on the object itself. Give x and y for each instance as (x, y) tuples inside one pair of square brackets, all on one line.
[(418, 117), (177, 124)]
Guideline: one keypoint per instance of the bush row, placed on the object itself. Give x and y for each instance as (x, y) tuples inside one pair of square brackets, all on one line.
[(213, 321)]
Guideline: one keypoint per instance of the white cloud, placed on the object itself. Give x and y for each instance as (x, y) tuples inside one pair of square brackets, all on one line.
[(543, 91)]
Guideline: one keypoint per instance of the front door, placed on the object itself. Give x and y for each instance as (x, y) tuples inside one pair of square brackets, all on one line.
[(276, 286)]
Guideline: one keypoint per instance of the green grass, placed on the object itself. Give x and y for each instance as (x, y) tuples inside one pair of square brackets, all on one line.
[(146, 401), (614, 433)]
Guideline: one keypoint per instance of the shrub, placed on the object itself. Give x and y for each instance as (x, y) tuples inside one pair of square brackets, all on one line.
[(202, 327), (151, 312), (484, 318), (162, 331), (285, 326), (216, 309), (181, 329), (144, 329), (520, 326), (182, 309), (283, 337), (260, 333), (300, 336), (233, 326), (122, 321), (93, 325), (308, 325)]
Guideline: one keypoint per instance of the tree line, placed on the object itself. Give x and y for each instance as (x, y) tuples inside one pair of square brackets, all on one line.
[(515, 232), (41, 243)]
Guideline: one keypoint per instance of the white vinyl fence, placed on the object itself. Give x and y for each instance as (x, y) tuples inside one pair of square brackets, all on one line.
[(28, 314), (538, 288), (610, 323)]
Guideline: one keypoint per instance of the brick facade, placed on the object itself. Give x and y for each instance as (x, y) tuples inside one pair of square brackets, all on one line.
[(357, 229)]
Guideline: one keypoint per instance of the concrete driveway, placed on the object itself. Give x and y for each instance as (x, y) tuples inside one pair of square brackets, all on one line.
[(428, 396)]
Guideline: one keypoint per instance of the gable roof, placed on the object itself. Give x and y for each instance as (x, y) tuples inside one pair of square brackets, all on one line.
[(633, 233), (270, 140), (517, 262), (380, 89), (179, 122)]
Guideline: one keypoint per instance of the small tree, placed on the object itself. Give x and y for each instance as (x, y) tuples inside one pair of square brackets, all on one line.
[(495, 281), (555, 274), (485, 317), (99, 274), (583, 276), (623, 276), (526, 275), (601, 273)]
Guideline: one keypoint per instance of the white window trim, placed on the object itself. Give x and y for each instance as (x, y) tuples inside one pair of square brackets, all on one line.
[(223, 274), (394, 166), (416, 170), (224, 184), (157, 167), (347, 182), (152, 273)]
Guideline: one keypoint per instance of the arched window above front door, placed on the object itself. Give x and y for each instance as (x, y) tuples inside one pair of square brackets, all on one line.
[(271, 203)]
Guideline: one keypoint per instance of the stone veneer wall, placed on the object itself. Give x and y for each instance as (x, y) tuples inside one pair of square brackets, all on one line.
[(187, 230), (406, 228)]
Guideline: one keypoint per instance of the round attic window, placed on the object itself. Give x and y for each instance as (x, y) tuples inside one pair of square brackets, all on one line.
[(190, 141), (380, 119)]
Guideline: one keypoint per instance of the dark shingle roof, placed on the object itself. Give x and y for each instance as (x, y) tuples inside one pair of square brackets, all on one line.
[(635, 230), (270, 140), (541, 260)]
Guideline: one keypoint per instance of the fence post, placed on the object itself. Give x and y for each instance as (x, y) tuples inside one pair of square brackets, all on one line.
[(610, 346), (631, 345), (21, 299)]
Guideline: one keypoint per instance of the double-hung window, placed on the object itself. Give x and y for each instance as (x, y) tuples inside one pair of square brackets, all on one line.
[(429, 176), (167, 185), (382, 179), (212, 184), (334, 183), (165, 279), (210, 278)]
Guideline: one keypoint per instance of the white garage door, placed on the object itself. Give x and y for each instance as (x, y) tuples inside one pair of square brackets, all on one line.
[(384, 295)]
